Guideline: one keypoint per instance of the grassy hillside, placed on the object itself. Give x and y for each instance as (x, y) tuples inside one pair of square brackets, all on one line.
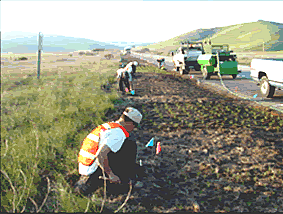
[(172, 44), (240, 37), (251, 36)]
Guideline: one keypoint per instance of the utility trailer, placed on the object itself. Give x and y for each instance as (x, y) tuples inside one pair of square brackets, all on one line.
[(218, 58)]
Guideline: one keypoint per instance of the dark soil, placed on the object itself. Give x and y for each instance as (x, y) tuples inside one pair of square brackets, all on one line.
[(218, 154)]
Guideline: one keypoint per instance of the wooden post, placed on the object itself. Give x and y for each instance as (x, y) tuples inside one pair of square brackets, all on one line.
[(262, 46), (39, 54), (38, 64)]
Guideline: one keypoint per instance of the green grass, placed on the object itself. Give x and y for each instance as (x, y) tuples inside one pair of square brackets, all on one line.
[(42, 126), (240, 37), (152, 69)]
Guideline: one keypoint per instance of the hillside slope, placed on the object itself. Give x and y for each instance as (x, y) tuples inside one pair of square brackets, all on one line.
[(52, 44), (240, 37), (251, 36)]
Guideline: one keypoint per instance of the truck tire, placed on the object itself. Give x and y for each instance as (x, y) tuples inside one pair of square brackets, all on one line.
[(234, 76), (205, 74), (266, 89), (197, 67)]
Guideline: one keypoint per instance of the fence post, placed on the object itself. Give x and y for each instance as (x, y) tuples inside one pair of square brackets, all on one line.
[(262, 46), (39, 54)]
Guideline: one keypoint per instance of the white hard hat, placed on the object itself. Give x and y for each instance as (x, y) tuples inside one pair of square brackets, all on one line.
[(136, 63), (133, 114)]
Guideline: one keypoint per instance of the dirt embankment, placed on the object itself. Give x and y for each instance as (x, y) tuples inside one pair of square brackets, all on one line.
[(217, 153)]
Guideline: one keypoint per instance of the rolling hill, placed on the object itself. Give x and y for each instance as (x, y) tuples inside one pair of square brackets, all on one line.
[(29, 44), (240, 37)]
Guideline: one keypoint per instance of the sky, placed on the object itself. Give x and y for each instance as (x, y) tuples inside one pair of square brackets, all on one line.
[(131, 21)]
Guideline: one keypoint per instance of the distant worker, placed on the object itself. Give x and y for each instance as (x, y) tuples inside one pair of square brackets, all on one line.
[(123, 79), (161, 63), (108, 148), (181, 50), (179, 60), (129, 69), (134, 67)]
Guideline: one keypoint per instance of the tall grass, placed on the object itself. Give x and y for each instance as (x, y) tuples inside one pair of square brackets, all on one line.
[(42, 125)]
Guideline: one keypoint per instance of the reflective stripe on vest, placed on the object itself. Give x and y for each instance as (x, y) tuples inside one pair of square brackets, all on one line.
[(93, 137), (87, 154), (90, 144)]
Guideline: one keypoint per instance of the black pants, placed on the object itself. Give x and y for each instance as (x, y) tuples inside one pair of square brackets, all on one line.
[(122, 163), (134, 68), (124, 81)]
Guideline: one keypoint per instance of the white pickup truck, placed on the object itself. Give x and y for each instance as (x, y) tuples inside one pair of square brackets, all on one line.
[(269, 74), (186, 58)]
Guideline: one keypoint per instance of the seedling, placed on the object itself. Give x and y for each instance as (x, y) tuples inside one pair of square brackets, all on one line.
[(249, 203)]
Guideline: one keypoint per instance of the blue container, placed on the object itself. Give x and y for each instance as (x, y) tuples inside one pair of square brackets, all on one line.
[(133, 92)]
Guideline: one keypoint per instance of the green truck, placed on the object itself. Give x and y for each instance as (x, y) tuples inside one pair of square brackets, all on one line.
[(218, 58)]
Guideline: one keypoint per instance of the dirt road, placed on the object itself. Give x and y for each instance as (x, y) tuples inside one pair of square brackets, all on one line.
[(217, 153)]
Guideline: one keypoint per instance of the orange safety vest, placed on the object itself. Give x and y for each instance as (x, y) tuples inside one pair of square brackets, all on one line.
[(91, 142)]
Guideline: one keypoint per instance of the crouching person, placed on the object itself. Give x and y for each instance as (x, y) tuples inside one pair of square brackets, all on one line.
[(108, 148), (129, 69), (161, 63), (134, 67), (123, 80)]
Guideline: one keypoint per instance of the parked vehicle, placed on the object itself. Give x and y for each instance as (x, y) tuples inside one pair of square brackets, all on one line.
[(186, 57), (268, 73), (218, 58), (161, 63)]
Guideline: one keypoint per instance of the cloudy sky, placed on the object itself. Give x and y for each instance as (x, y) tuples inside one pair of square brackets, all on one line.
[(131, 21)]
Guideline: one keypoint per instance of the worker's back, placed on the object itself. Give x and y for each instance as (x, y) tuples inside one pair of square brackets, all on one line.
[(179, 57)]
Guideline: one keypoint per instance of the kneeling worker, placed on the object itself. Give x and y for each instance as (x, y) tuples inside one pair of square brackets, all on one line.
[(108, 148), (161, 63), (123, 79), (134, 67), (129, 69)]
